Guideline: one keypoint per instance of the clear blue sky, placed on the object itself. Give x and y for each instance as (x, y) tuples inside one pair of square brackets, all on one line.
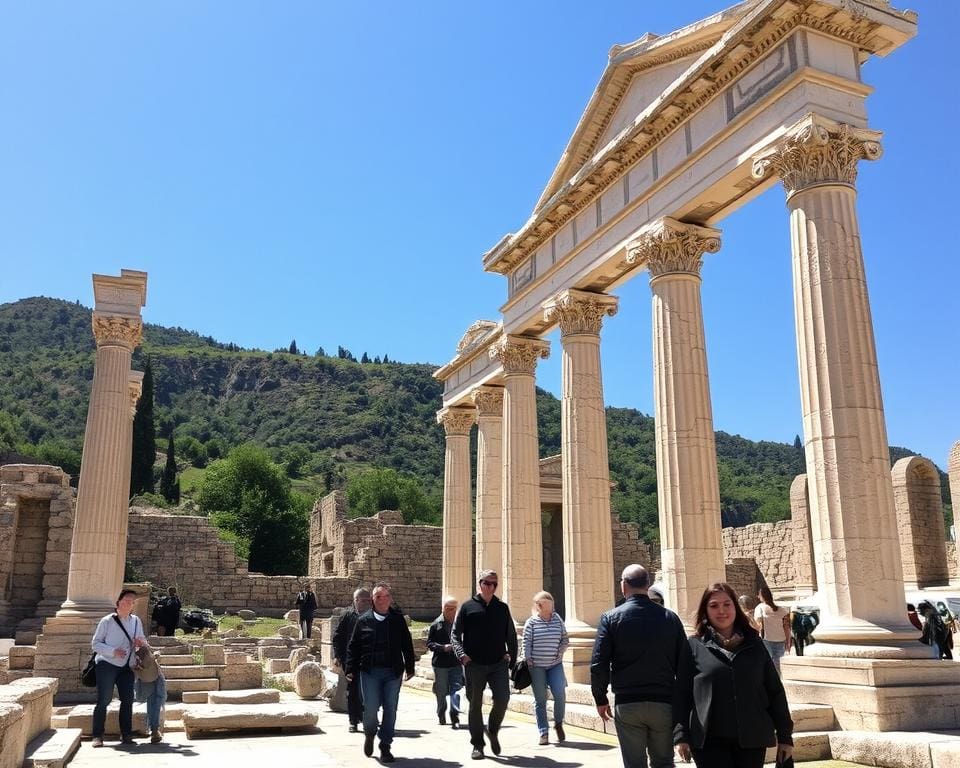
[(333, 172)]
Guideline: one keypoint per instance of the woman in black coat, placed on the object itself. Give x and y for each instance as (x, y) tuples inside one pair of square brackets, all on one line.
[(734, 707)]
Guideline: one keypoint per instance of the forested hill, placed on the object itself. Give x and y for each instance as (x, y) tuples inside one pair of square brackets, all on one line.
[(323, 417)]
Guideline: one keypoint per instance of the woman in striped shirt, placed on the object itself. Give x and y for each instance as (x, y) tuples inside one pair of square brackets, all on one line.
[(544, 641)]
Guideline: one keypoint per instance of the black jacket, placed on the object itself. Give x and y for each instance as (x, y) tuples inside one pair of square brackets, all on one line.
[(437, 637), (361, 646), (484, 631), (745, 688), (640, 650), (341, 636), (307, 603)]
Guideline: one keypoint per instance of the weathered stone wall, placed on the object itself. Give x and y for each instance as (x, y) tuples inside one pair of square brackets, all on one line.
[(916, 495), (629, 548), (769, 544)]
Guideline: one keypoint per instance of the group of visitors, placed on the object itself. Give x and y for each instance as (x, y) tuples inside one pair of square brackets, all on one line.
[(936, 624)]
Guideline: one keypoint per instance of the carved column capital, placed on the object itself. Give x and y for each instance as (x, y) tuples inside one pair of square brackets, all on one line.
[(668, 245), (136, 389), (456, 421), (818, 151), (579, 312), (489, 401), (117, 330), (519, 354)]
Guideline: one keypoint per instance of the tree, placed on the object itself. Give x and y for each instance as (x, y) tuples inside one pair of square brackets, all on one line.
[(10, 432), (364, 358), (144, 454), (797, 443), (293, 348), (320, 352), (375, 490), (385, 358), (169, 484)]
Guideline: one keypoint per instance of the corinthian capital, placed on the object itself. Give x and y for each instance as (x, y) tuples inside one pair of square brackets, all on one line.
[(668, 245), (456, 421), (818, 151), (579, 312), (117, 330), (136, 389), (519, 354), (489, 401)]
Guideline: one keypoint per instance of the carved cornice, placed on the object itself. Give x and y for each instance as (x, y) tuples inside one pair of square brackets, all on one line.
[(668, 245), (579, 312), (456, 421), (818, 151), (117, 330), (136, 389), (489, 401), (519, 354), (475, 334)]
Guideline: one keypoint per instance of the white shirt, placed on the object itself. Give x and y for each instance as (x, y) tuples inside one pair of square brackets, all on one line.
[(772, 621), (109, 637)]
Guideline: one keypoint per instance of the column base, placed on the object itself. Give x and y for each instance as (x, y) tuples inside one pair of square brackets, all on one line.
[(877, 694), (576, 659), (63, 648)]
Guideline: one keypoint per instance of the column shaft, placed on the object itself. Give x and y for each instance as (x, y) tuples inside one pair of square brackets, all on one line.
[(489, 401), (458, 573)]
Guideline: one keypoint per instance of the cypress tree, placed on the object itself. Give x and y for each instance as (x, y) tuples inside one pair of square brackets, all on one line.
[(144, 453), (293, 348), (169, 484)]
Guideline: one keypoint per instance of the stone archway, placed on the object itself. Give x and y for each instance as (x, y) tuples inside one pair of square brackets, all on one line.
[(916, 491)]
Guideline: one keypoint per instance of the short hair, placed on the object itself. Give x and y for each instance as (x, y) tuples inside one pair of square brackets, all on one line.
[(449, 599), (382, 585), (740, 622), (486, 573), (361, 592), (542, 596), (171, 590), (124, 593)]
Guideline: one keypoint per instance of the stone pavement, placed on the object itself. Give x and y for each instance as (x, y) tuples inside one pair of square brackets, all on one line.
[(420, 741)]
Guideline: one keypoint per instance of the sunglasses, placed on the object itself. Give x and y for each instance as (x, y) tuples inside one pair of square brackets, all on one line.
[(489, 584)]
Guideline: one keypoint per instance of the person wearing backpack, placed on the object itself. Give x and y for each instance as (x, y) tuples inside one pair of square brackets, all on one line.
[(115, 642)]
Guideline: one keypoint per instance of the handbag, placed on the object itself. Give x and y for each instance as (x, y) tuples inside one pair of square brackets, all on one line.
[(520, 674)]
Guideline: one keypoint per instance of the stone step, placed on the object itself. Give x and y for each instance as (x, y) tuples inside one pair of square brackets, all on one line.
[(173, 650), (812, 717), (195, 697), (807, 746), (275, 666), (81, 716), (189, 672), (245, 696), (266, 652), (240, 717), (52, 748), (161, 641), (176, 659), (21, 656), (205, 684)]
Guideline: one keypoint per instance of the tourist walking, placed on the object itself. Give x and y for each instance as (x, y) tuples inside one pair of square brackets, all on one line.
[(447, 672), (341, 638), (774, 621), (544, 641), (380, 652), (306, 604), (167, 613), (733, 705), (115, 641), (151, 687), (935, 633), (485, 641), (640, 651)]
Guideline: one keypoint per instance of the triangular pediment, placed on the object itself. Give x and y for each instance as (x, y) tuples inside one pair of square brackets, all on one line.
[(636, 74)]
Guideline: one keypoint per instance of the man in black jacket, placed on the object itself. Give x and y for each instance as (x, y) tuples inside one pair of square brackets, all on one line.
[(380, 652), (485, 641), (306, 603), (341, 638), (447, 672), (640, 649)]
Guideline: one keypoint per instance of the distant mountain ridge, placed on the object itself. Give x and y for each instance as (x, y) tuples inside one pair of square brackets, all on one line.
[(334, 415)]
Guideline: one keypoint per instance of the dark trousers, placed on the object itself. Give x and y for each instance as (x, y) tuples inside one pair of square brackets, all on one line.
[(354, 700), (108, 676), (727, 753), (478, 677), (306, 625)]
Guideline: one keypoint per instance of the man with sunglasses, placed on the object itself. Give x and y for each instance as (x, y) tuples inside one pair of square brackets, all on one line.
[(485, 640)]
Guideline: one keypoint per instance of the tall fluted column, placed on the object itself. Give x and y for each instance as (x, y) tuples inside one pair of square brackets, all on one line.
[(853, 520), (99, 521), (136, 387), (953, 473), (489, 402), (688, 492), (457, 576), (522, 557)]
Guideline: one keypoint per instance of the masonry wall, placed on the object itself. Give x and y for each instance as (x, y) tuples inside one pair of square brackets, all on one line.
[(769, 544)]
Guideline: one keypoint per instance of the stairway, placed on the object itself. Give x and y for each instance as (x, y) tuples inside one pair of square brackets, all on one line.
[(181, 670)]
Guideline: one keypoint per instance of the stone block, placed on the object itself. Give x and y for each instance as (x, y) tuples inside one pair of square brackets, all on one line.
[(194, 697), (298, 656), (35, 695), (246, 615), (52, 748), (238, 676), (309, 680), (81, 716), (227, 717), (890, 749), (945, 754), (265, 653), (21, 656), (213, 654), (289, 630), (235, 657), (274, 666), (245, 696), (13, 738)]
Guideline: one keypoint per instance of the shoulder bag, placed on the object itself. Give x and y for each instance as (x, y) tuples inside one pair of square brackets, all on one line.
[(88, 677)]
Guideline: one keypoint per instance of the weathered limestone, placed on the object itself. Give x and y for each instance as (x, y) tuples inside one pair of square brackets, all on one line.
[(916, 494), (587, 543), (489, 403), (852, 513), (309, 680), (243, 696), (953, 474), (35, 696), (135, 387), (522, 556), (238, 717), (457, 524), (688, 492), (804, 570)]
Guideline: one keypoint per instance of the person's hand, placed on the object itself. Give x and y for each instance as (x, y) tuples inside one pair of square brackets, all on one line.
[(530, 663), (604, 711), (349, 678), (448, 648), (683, 752), (119, 653), (139, 642), (464, 659), (784, 751)]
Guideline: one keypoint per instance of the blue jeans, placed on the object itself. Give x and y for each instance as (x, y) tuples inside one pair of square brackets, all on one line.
[(775, 650), (380, 688), (541, 677), (447, 681), (108, 676)]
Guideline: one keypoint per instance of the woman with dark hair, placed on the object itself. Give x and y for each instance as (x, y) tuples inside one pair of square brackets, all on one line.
[(735, 706), (774, 621), (116, 640)]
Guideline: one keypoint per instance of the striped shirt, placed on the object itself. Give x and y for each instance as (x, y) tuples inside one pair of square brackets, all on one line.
[(544, 641)]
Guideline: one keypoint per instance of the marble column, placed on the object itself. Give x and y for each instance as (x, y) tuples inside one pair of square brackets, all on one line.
[(522, 556), (135, 388), (853, 520), (953, 473), (458, 573), (688, 492), (489, 402)]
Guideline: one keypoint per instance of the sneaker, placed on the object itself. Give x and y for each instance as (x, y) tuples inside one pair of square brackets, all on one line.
[(155, 737), (128, 739), (544, 739), (494, 742), (455, 722), (368, 744), (442, 718), (352, 728), (386, 756), (96, 742), (561, 735), (477, 754)]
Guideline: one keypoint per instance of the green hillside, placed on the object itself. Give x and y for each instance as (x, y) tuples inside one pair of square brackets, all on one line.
[(323, 418)]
